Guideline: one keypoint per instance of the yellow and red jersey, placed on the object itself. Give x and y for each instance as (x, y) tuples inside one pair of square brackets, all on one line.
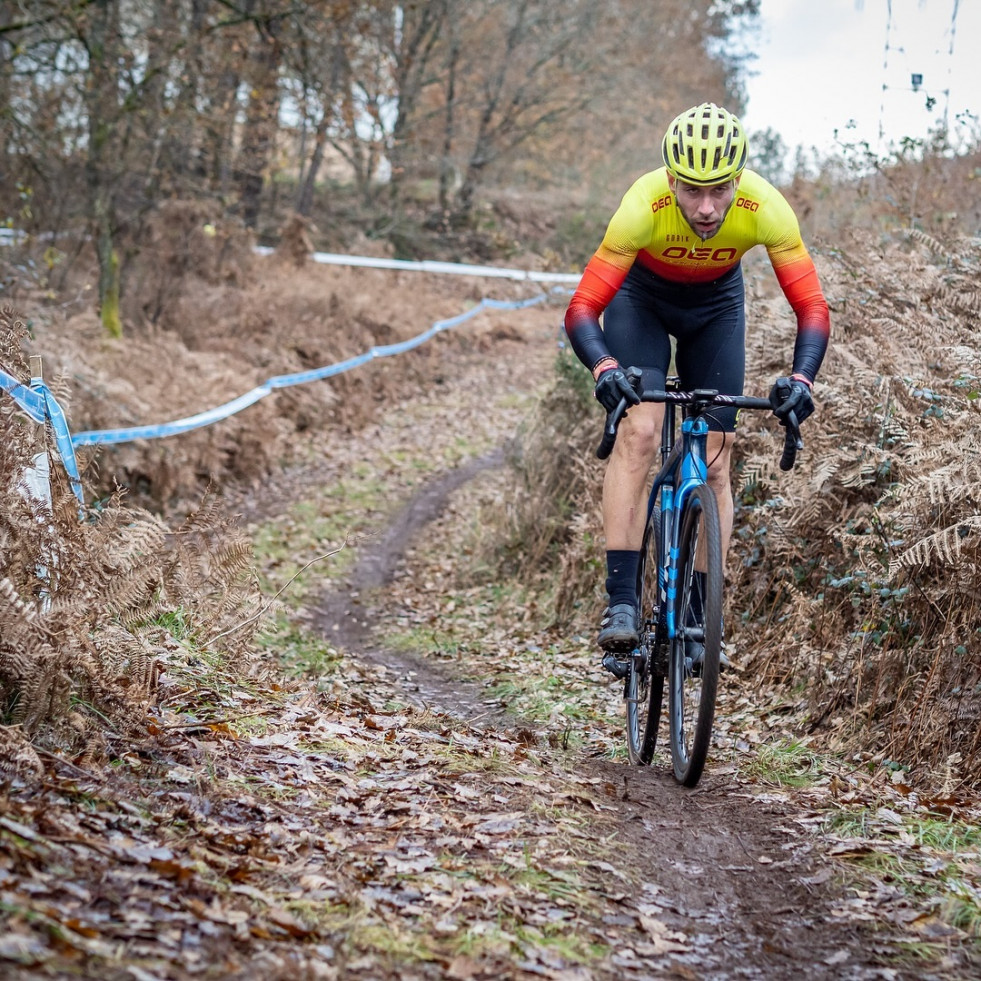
[(648, 228)]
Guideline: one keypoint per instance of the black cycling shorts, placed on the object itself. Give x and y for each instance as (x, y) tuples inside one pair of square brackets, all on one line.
[(708, 321)]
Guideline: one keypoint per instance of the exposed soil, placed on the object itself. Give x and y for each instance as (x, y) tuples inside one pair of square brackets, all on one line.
[(732, 875), (344, 620)]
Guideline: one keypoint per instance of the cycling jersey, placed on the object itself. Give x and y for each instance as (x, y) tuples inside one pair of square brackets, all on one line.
[(649, 229), (708, 326)]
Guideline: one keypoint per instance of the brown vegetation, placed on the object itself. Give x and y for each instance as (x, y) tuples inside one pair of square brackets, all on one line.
[(859, 575), (82, 603), (854, 578), (210, 732), (116, 110), (194, 779)]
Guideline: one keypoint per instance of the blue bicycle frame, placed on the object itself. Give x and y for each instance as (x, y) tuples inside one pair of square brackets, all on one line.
[(679, 648), (683, 468)]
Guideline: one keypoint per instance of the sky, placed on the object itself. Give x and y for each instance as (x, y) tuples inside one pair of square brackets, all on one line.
[(847, 65)]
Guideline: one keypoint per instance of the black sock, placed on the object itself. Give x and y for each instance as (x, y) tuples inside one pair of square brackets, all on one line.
[(621, 575)]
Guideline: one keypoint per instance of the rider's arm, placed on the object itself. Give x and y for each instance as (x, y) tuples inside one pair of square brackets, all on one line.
[(800, 285), (798, 278), (599, 283), (605, 272)]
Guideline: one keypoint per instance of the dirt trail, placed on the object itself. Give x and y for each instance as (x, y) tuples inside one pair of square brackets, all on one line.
[(342, 619), (302, 823), (731, 880), (723, 868)]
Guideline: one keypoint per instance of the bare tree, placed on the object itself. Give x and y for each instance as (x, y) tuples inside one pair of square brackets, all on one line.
[(261, 121), (91, 86), (505, 87), (111, 106), (520, 84), (104, 46), (317, 61)]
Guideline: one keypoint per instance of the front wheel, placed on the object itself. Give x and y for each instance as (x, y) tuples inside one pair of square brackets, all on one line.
[(698, 623), (645, 682)]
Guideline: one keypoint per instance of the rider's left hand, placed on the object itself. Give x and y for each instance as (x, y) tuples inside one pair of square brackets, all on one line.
[(791, 395)]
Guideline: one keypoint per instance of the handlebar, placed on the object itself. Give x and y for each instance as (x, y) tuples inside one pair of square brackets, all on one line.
[(704, 399)]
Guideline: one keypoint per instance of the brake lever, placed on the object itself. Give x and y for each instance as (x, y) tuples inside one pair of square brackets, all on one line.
[(610, 430), (792, 442)]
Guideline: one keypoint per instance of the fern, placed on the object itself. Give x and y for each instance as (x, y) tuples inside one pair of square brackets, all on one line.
[(944, 547)]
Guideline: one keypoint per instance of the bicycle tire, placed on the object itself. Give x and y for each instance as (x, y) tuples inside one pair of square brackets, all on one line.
[(692, 696), (644, 687)]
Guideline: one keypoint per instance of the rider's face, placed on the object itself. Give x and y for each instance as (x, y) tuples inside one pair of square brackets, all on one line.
[(704, 208)]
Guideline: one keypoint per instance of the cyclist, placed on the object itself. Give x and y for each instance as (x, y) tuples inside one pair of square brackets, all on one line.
[(669, 266)]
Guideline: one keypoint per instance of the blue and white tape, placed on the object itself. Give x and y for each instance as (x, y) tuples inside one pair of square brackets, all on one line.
[(431, 266), (297, 378), (38, 402)]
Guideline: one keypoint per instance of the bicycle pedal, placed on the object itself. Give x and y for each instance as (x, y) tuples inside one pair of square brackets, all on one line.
[(618, 667)]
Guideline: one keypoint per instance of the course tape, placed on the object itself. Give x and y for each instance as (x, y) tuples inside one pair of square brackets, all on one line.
[(28, 399), (427, 265), (38, 402), (297, 378), (41, 406)]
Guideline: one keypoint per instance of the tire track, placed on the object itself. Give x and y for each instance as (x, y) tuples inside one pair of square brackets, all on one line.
[(345, 622)]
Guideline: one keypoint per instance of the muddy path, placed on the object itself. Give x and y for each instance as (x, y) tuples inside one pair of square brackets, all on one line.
[(731, 881), (343, 617)]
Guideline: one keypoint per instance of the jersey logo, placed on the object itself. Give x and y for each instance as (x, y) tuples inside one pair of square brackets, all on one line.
[(660, 203), (747, 204), (700, 255)]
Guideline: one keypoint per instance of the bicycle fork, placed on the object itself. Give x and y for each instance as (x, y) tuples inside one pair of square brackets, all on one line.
[(692, 472)]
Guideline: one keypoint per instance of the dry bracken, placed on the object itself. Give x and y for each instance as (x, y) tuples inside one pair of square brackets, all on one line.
[(858, 572), (81, 601)]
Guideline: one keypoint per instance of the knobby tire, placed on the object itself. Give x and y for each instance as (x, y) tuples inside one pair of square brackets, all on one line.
[(644, 687), (692, 698)]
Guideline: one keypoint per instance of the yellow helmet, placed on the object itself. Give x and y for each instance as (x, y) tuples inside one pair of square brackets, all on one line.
[(705, 145)]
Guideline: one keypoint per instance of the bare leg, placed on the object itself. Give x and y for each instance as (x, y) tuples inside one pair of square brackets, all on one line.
[(625, 486), (719, 452)]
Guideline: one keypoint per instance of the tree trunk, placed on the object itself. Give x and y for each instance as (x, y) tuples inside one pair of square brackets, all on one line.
[(446, 169), (305, 200), (102, 107), (108, 275), (261, 121), (413, 53)]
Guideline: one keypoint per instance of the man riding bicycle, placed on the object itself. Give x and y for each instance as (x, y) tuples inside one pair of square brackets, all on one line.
[(669, 267)]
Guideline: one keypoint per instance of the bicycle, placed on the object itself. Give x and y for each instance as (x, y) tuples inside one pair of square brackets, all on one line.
[(682, 524)]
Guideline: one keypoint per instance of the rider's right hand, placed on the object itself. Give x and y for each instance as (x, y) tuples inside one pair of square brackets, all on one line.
[(613, 385)]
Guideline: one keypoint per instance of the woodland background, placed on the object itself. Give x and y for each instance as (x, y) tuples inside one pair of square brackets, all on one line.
[(147, 147)]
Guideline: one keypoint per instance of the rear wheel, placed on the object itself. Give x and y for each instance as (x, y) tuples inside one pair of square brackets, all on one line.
[(645, 682), (692, 692)]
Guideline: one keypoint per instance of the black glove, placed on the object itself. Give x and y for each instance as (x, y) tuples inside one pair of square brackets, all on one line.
[(790, 395), (613, 385)]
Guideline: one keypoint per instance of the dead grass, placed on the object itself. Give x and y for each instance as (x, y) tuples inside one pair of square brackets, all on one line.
[(855, 577), (862, 579)]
